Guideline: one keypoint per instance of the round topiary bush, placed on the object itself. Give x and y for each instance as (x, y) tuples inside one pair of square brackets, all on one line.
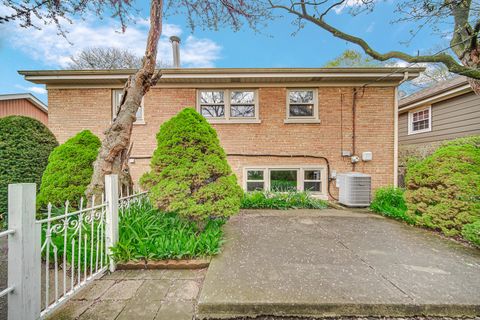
[(69, 170), (25, 145), (442, 190), (189, 173)]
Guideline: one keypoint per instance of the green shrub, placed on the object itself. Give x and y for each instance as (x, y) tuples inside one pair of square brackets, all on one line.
[(442, 190), (69, 170), (146, 233), (390, 202), (189, 171), (25, 145), (283, 201), (471, 232)]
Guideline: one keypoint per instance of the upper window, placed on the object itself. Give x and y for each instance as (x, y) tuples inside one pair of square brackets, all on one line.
[(302, 105), (228, 105), (420, 120), (117, 98)]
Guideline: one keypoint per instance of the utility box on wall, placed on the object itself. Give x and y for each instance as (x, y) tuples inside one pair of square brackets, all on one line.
[(354, 189)]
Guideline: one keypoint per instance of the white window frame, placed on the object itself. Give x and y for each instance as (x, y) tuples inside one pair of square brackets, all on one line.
[(311, 119), (300, 177), (115, 93), (227, 118), (410, 120)]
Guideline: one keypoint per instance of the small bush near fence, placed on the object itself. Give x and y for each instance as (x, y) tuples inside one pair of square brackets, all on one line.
[(390, 202), (145, 233), (190, 174), (25, 145), (443, 189), (282, 201), (69, 170)]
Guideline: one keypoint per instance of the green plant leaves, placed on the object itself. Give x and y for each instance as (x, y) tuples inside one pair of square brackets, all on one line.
[(281, 201), (149, 234)]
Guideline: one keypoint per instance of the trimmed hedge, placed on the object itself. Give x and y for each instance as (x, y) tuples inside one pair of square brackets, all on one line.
[(25, 145), (189, 173), (443, 189), (69, 170)]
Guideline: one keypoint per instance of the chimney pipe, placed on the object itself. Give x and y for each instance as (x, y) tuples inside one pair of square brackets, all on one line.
[(176, 51)]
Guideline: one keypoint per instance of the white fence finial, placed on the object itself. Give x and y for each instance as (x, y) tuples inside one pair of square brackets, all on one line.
[(111, 226), (24, 260)]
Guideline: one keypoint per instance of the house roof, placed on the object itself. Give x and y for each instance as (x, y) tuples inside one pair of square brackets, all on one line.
[(28, 96), (438, 92), (181, 76)]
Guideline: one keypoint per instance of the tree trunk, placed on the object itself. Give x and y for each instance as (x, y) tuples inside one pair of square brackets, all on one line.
[(114, 152), (472, 59)]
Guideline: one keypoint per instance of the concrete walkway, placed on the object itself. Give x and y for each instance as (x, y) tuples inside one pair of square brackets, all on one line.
[(137, 295), (338, 263)]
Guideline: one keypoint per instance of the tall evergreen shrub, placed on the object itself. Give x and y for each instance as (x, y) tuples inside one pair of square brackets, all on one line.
[(189, 173), (69, 170), (25, 145)]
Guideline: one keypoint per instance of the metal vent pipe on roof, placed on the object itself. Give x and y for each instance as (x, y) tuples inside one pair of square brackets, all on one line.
[(176, 51)]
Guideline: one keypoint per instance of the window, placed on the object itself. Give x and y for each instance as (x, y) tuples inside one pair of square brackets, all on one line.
[(117, 98), (302, 105), (312, 180), (229, 105), (285, 179), (420, 120), (255, 180)]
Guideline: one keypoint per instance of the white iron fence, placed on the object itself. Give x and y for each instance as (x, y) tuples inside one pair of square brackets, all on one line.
[(52, 256)]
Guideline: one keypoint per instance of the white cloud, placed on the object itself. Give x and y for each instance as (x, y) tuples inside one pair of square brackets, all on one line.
[(34, 89), (370, 27), (348, 4), (48, 46)]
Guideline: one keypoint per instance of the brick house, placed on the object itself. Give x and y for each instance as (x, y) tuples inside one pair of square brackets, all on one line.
[(23, 104), (298, 124)]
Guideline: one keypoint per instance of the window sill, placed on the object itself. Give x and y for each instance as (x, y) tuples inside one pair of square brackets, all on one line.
[(417, 132), (236, 121), (301, 121), (139, 123)]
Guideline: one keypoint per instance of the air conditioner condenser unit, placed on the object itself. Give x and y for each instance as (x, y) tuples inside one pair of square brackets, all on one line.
[(354, 189)]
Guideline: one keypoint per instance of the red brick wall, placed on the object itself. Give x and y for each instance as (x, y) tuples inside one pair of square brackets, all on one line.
[(76, 109)]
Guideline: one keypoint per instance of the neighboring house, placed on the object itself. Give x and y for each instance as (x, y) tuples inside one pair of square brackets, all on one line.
[(23, 104), (274, 124), (445, 111)]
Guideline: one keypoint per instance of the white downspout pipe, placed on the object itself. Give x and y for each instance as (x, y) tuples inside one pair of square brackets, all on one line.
[(395, 134)]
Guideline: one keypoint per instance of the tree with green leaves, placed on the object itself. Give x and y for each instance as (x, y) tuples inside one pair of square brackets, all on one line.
[(189, 173)]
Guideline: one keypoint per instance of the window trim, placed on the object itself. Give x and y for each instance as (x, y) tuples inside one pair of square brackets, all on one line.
[(313, 119), (142, 106), (300, 176), (227, 97), (410, 120)]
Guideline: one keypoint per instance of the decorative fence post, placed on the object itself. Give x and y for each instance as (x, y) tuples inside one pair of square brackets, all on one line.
[(24, 253), (111, 227)]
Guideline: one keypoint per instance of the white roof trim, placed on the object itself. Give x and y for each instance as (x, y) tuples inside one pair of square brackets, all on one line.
[(30, 97), (436, 98)]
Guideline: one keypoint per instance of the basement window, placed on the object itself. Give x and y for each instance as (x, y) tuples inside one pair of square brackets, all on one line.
[(286, 179), (302, 106), (116, 100), (420, 120), (228, 106)]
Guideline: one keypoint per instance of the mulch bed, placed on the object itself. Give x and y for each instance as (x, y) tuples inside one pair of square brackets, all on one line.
[(164, 264)]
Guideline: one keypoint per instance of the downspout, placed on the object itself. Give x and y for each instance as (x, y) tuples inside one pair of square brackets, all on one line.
[(395, 133), (354, 112)]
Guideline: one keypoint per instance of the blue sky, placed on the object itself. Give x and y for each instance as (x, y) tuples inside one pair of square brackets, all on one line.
[(274, 46)]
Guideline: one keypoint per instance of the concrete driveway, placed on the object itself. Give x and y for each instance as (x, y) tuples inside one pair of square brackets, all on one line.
[(337, 263)]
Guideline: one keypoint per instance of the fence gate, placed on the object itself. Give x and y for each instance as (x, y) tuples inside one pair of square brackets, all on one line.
[(54, 254)]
